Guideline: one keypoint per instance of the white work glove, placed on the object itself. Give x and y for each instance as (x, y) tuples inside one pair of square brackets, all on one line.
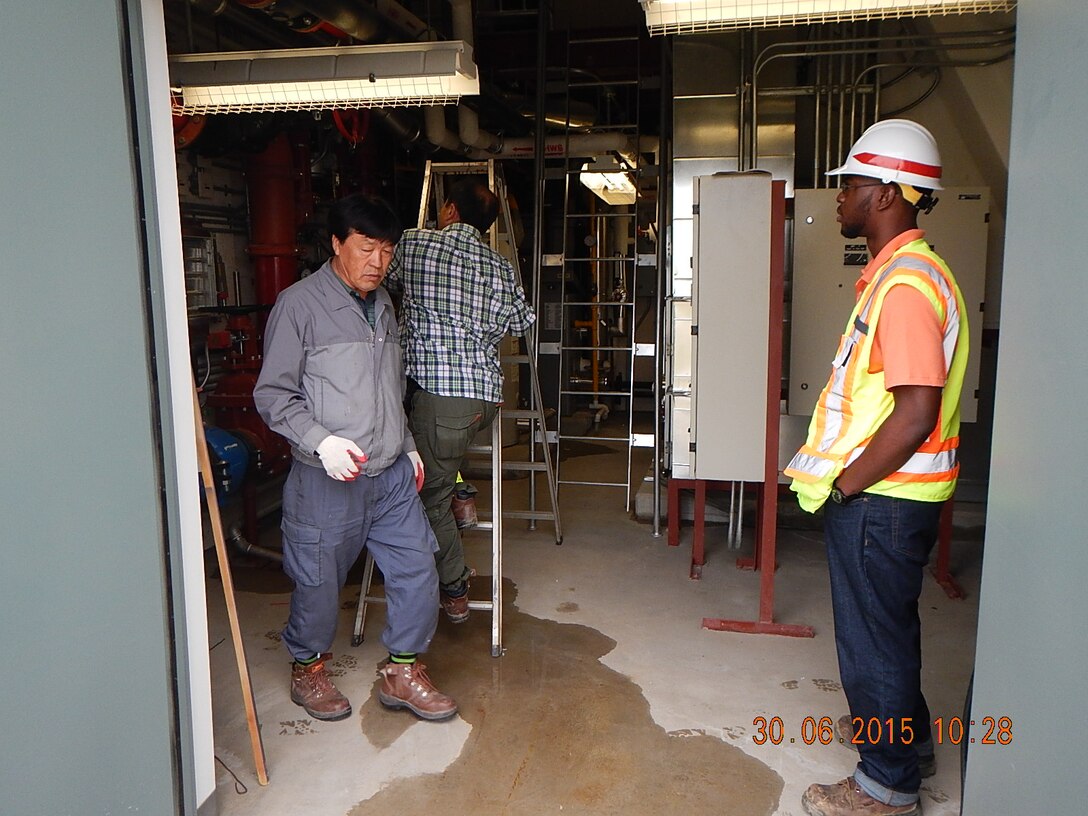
[(341, 457), (418, 463)]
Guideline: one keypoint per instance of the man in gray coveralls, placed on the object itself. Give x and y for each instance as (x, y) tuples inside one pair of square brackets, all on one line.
[(332, 384)]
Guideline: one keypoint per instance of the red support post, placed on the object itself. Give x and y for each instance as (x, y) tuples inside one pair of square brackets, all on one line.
[(944, 552)]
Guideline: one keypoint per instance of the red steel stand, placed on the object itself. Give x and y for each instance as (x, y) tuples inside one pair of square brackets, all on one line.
[(764, 556), (944, 551), (700, 487)]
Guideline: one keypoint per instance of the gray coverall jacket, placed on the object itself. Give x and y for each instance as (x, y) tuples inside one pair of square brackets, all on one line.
[(326, 371)]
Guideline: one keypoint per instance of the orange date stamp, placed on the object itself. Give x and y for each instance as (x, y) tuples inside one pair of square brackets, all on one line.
[(874, 731)]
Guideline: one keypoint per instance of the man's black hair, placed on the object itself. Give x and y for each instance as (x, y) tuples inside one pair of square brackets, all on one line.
[(366, 214), (476, 205)]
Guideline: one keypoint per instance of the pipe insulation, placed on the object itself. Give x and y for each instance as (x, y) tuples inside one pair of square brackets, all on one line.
[(468, 122)]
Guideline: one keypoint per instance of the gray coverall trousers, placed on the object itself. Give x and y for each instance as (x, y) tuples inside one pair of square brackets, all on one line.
[(325, 526)]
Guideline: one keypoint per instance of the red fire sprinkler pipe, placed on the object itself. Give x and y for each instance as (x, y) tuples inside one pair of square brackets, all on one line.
[(272, 179)]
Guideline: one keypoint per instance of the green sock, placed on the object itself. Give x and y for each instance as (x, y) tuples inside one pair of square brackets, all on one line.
[(402, 657), (308, 661)]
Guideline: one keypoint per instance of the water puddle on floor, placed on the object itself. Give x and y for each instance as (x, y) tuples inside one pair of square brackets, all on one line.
[(556, 731)]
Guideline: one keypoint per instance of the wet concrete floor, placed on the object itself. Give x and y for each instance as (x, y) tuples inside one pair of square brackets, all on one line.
[(554, 730), (610, 698)]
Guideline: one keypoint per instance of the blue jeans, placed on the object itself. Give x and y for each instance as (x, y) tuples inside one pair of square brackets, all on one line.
[(877, 549)]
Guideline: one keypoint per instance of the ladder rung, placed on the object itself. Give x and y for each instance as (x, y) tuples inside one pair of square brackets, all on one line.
[(483, 606), (473, 167), (603, 83), (598, 303), (594, 484), (534, 515), (625, 261), (623, 439), (520, 413), (603, 260), (616, 126), (514, 359), (602, 215), (595, 40), (595, 394), (509, 465), (478, 449), (597, 348), (503, 13), (537, 466)]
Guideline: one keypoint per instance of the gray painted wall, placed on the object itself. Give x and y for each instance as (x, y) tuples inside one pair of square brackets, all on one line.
[(86, 713), (1032, 652)]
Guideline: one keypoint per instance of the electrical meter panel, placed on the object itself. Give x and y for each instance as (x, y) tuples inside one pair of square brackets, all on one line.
[(199, 260), (826, 265), (730, 326)]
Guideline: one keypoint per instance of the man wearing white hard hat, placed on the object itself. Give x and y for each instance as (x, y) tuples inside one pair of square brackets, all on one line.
[(882, 447)]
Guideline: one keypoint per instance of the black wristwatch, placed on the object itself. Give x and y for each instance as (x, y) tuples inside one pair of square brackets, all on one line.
[(839, 497)]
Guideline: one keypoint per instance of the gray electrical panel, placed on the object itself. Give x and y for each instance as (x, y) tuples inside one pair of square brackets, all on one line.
[(730, 322), (826, 265)]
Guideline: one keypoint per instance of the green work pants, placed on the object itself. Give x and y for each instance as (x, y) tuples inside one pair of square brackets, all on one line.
[(443, 428)]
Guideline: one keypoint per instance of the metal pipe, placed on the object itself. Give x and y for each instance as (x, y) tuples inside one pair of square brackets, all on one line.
[(840, 90), (738, 531), (731, 531), (661, 218), (853, 96), (997, 37), (243, 545), (406, 130), (434, 120), (271, 178), (369, 23), (829, 113), (556, 147), (740, 104), (538, 170), (940, 64), (1000, 33), (468, 122)]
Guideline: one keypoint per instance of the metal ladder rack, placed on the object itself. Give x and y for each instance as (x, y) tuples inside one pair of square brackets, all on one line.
[(433, 196)]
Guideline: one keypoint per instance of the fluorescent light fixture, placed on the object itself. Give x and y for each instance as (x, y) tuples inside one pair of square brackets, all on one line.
[(609, 182), (359, 76), (694, 16)]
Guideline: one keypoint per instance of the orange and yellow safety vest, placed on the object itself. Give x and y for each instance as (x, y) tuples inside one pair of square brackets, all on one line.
[(855, 403)]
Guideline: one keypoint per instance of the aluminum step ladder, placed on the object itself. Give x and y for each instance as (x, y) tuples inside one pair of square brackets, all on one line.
[(539, 436)]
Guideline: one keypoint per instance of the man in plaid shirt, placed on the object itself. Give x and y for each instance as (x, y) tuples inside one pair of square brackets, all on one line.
[(459, 298)]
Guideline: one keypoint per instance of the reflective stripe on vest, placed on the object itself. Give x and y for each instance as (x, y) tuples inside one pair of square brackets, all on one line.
[(834, 441)]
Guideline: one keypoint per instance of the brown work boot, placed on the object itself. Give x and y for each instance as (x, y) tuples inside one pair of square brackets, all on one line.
[(312, 689), (456, 609), (464, 511), (406, 685), (927, 764), (845, 798)]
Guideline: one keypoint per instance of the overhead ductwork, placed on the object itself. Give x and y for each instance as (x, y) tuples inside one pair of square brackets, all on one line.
[(468, 122), (372, 22), (583, 144), (434, 119)]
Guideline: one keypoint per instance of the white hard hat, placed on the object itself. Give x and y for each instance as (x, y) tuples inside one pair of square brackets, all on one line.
[(895, 150)]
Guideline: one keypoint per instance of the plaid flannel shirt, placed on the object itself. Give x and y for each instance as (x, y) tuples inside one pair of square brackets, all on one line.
[(459, 298)]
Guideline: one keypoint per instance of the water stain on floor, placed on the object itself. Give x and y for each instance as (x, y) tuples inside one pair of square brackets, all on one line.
[(554, 730)]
